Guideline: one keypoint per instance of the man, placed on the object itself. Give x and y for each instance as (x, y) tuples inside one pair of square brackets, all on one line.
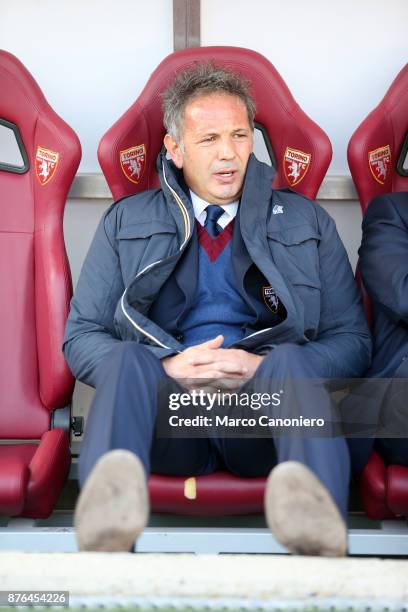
[(212, 279), (383, 258)]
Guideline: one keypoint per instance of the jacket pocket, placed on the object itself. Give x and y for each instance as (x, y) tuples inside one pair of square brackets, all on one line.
[(145, 229), (144, 244), (295, 254)]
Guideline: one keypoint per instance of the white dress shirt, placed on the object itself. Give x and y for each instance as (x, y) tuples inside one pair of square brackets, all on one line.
[(200, 205)]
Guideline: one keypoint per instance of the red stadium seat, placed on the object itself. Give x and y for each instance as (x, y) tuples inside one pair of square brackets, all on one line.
[(378, 147), (294, 138), (36, 289), (376, 154)]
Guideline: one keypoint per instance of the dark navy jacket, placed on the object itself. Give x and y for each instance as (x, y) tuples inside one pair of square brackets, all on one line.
[(384, 270), (283, 237)]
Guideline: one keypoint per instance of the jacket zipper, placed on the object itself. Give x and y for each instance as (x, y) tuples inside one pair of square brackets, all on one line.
[(187, 228), (260, 331), (184, 212)]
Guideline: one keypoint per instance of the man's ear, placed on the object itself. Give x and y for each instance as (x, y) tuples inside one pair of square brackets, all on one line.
[(174, 150)]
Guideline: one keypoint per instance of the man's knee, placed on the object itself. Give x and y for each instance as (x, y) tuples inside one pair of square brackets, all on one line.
[(130, 356), (288, 360), (133, 352)]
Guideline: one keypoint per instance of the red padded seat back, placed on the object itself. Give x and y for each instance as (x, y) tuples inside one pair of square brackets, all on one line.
[(376, 146), (34, 274), (127, 152)]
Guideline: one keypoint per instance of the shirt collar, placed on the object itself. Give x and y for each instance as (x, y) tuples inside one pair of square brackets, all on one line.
[(200, 205)]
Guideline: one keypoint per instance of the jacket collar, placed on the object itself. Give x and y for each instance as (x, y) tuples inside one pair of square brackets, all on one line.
[(172, 178), (256, 195)]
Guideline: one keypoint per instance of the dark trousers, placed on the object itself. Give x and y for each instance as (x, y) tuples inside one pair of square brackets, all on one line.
[(394, 451), (124, 410), (383, 401)]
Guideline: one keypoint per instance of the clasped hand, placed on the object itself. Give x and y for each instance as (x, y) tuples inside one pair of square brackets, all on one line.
[(204, 364)]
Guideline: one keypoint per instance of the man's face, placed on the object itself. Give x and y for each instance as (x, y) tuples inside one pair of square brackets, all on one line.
[(217, 142)]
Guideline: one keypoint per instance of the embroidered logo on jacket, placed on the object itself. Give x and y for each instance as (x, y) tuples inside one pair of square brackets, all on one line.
[(46, 163), (270, 298), (133, 162), (296, 164), (379, 161), (277, 210)]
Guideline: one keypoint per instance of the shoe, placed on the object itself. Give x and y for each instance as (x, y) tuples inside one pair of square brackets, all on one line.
[(113, 507), (301, 513)]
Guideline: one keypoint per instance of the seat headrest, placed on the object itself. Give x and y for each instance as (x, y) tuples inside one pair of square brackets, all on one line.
[(127, 152), (377, 149), (45, 135)]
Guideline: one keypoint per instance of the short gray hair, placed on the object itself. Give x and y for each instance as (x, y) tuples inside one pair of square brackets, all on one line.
[(201, 79)]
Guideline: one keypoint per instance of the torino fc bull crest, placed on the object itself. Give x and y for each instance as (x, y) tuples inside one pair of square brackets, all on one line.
[(133, 162), (379, 161), (270, 298), (296, 164), (46, 163)]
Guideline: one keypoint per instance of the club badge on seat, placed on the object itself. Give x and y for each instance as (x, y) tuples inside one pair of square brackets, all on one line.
[(133, 162), (270, 298), (46, 163), (296, 164), (379, 161)]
